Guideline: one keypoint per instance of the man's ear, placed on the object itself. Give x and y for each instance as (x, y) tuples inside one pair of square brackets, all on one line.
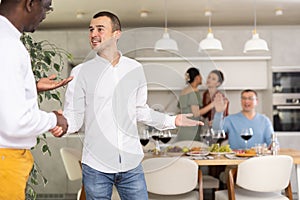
[(28, 5), (117, 34)]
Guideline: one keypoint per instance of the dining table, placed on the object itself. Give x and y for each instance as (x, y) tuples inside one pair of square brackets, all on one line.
[(215, 160)]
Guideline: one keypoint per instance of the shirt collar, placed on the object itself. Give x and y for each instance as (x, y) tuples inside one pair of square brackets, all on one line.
[(11, 27), (105, 60)]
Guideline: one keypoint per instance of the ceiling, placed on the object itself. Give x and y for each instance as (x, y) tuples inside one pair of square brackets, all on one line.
[(179, 12)]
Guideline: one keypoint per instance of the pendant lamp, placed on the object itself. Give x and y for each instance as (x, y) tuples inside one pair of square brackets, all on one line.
[(166, 43), (255, 44), (210, 43)]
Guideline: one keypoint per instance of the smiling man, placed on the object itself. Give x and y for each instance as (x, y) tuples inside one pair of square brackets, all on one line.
[(247, 118), (109, 94)]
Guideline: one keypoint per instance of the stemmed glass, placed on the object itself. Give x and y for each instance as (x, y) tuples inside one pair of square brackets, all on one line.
[(206, 136), (144, 137), (165, 137), (155, 136), (246, 134), (216, 136)]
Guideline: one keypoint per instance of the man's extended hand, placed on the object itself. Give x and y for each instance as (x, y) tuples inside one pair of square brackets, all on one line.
[(61, 126), (49, 83), (183, 120)]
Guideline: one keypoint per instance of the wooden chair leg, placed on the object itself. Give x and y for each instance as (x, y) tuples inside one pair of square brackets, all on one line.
[(82, 194), (288, 191), (231, 182), (200, 180)]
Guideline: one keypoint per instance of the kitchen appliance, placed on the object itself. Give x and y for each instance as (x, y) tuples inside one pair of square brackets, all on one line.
[(286, 98)]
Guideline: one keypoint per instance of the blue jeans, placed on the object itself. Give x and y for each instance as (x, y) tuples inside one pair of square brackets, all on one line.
[(131, 185)]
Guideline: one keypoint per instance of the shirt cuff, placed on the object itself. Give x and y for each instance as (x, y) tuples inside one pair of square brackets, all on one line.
[(170, 122), (53, 120)]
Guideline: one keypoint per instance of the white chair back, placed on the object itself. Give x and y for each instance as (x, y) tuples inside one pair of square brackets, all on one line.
[(265, 174), (170, 176), (71, 158), (189, 144)]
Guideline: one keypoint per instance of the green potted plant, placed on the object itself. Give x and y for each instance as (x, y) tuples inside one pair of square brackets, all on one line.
[(46, 59)]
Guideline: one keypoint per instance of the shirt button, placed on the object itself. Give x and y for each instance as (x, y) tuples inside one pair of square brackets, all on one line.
[(2, 157)]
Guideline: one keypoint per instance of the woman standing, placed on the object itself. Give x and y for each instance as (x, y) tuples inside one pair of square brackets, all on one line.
[(190, 102), (214, 81)]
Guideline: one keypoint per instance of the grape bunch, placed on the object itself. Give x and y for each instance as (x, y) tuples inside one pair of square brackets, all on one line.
[(217, 148)]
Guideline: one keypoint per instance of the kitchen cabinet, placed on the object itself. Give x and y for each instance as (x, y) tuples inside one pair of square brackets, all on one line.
[(167, 73)]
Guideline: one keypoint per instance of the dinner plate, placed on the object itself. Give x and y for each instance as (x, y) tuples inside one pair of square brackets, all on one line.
[(220, 153), (245, 154), (197, 153)]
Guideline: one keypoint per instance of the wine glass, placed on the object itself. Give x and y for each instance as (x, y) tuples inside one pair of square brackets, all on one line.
[(246, 134), (206, 136), (155, 136), (216, 136), (165, 137), (144, 137)]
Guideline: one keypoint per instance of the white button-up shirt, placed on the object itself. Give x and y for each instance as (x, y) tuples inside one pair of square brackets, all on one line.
[(20, 118), (110, 100)]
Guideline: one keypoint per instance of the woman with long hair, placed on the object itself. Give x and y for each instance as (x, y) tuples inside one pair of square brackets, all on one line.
[(190, 101)]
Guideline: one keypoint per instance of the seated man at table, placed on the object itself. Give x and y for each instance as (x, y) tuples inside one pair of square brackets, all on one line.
[(247, 118)]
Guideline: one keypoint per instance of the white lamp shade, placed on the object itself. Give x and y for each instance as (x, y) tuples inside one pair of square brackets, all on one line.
[(210, 43), (166, 44), (255, 44)]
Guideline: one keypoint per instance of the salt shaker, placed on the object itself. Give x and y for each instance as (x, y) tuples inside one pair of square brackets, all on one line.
[(274, 144)]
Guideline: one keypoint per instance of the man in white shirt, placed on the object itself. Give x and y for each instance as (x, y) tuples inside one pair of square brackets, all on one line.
[(21, 121), (109, 93)]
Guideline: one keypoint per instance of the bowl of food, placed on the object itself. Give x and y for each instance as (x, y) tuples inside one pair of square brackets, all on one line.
[(198, 151)]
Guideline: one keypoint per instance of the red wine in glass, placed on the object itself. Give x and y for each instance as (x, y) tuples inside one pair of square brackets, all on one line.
[(246, 134), (155, 137), (246, 137), (144, 141), (144, 137), (165, 139)]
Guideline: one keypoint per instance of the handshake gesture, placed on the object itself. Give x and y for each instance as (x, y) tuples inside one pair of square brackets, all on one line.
[(61, 126)]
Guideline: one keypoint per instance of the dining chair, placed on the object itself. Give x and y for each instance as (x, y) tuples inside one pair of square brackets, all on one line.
[(209, 182), (71, 158), (72, 161), (259, 178), (171, 178)]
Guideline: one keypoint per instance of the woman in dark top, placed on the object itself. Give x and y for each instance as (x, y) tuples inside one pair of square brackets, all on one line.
[(214, 81)]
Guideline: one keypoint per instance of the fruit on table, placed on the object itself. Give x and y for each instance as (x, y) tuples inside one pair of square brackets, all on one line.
[(250, 151), (195, 148), (185, 149), (174, 149), (217, 148)]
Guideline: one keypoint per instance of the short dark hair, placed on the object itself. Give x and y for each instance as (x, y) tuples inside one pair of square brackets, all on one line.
[(116, 24), (219, 74), (249, 90), (191, 73)]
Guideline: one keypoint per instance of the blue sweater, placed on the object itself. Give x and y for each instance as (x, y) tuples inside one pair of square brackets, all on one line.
[(233, 125)]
